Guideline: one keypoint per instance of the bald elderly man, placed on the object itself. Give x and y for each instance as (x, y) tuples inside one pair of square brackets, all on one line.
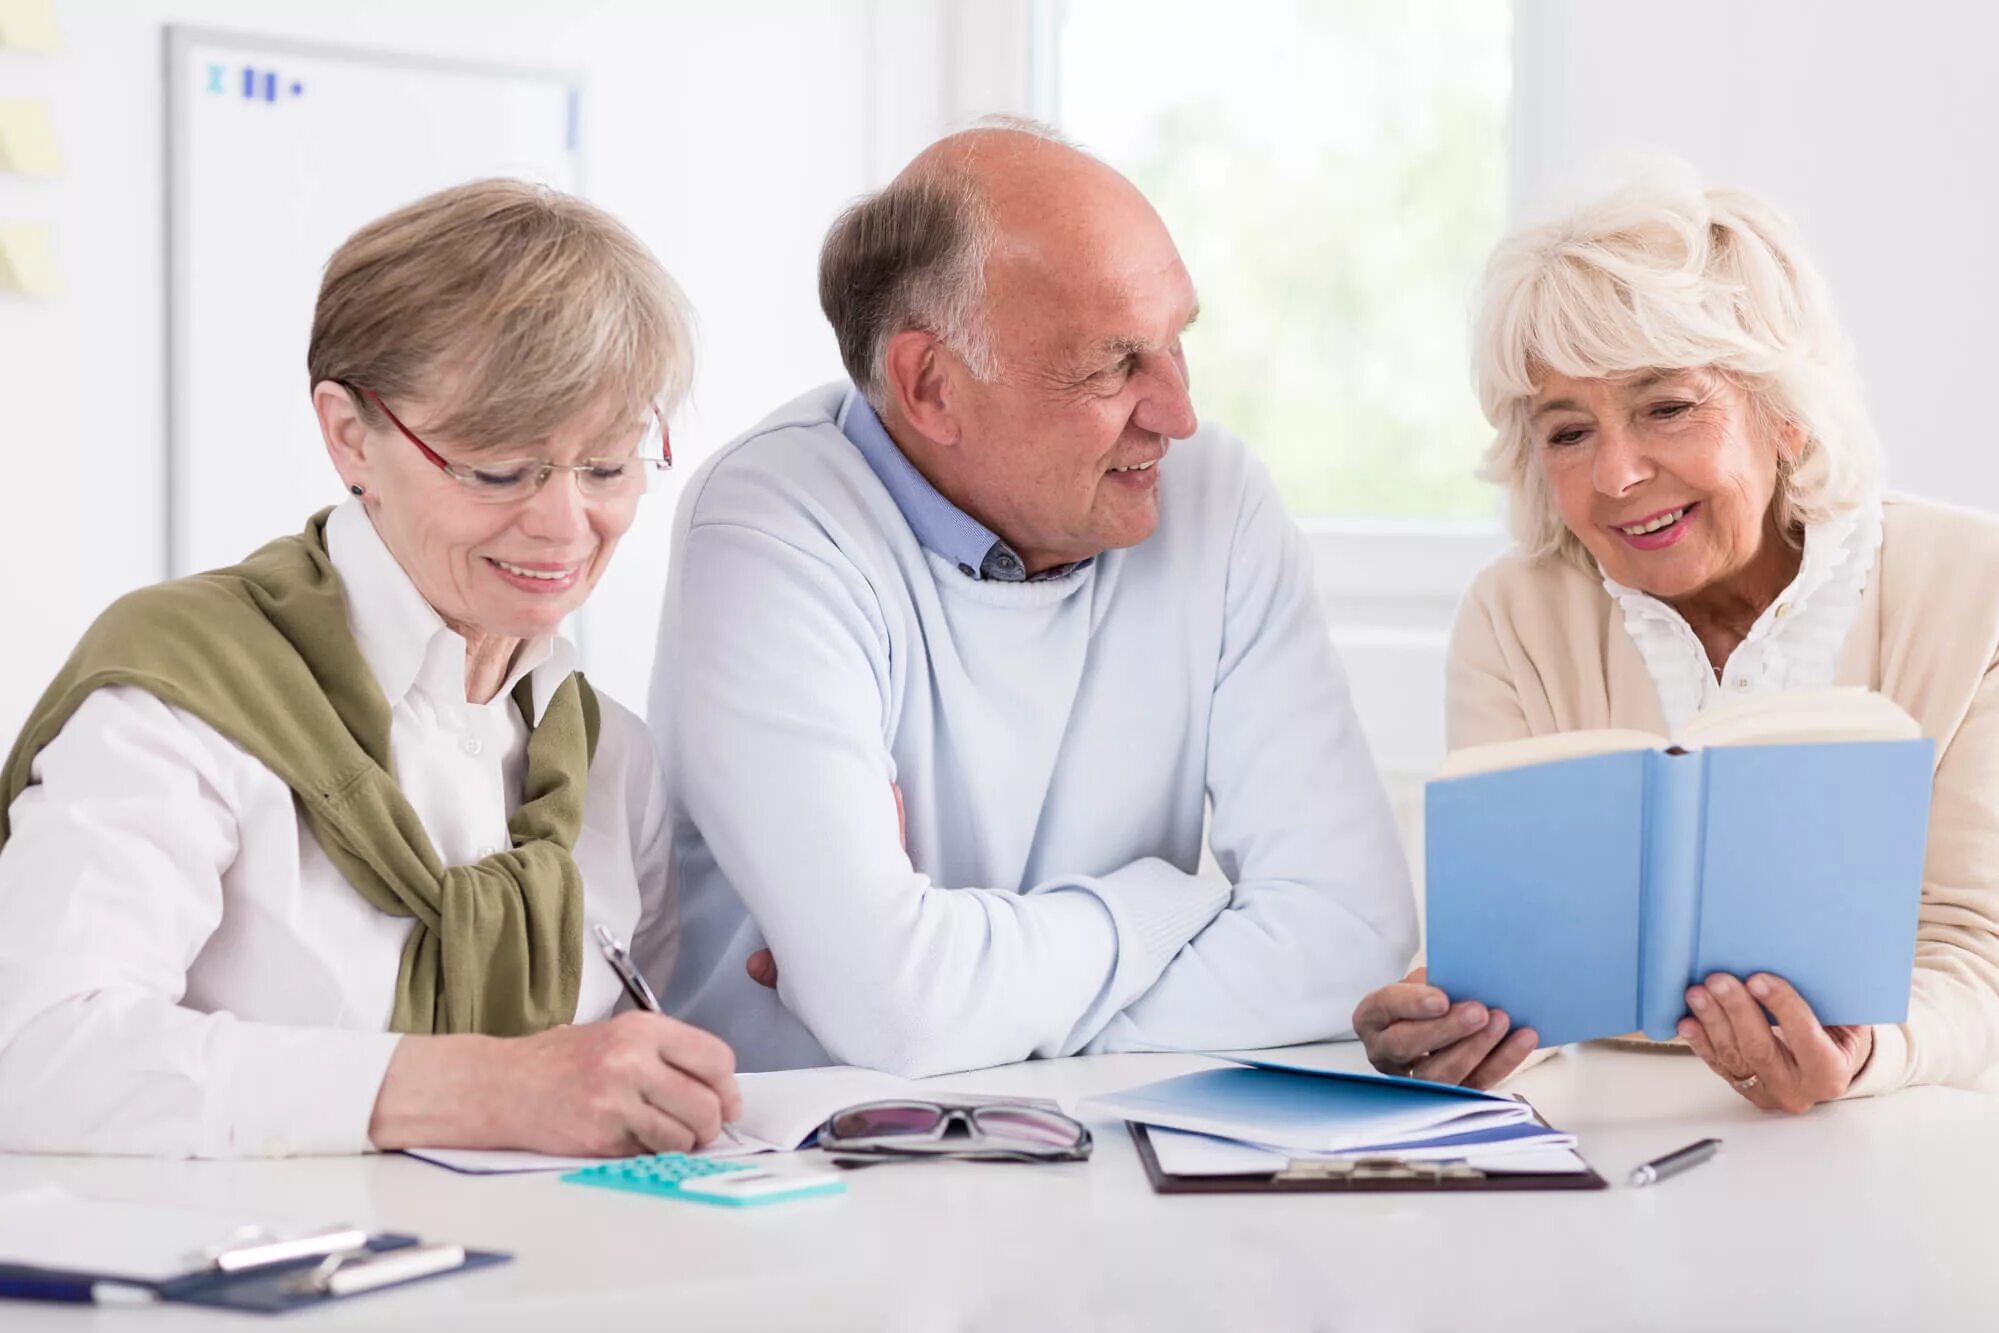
[(959, 658)]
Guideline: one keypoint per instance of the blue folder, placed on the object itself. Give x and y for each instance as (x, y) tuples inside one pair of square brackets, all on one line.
[(1303, 1108), (1584, 896)]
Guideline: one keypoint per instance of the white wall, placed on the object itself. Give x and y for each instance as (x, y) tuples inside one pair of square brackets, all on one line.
[(729, 134), (726, 135), (1870, 123)]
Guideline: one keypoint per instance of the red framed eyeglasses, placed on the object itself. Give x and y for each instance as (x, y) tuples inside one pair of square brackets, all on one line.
[(507, 479)]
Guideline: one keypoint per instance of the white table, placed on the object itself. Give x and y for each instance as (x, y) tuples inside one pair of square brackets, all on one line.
[(1864, 1215)]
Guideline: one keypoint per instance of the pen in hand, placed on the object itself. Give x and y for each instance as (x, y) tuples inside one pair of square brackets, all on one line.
[(636, 987), (1675, 1162), (621, 963)]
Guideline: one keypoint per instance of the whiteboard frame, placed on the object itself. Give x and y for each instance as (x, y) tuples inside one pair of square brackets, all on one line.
[(177, 92)]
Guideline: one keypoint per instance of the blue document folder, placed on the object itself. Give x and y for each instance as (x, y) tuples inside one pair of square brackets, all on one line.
[(1583, 896), (1305, 1109)]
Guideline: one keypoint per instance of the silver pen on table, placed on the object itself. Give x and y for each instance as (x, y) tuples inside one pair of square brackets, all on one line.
[(1675, 1162), (621, 963)]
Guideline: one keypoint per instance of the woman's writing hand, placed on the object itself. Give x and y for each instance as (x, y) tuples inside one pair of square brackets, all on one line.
[(636, 1083)]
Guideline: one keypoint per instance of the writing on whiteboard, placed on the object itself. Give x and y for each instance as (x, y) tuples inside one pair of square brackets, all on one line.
[(258, 85)]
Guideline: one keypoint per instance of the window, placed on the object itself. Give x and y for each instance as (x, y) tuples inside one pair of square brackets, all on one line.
[(1334, 174)]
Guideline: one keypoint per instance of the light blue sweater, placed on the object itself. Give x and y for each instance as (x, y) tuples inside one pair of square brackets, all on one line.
[(1057, 745)]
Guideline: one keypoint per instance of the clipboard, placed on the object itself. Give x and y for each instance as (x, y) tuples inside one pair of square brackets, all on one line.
[(276, 1288), (262, 1288), (1365, 1175)]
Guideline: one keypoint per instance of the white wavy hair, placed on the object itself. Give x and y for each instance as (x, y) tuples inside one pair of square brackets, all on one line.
[(1666, 275)]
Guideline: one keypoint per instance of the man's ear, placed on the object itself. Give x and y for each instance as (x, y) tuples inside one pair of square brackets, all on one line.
[(917, 367), (345, 434)]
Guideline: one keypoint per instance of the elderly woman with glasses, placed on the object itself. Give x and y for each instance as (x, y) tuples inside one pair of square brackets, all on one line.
[(304, 855), (1695, 490)]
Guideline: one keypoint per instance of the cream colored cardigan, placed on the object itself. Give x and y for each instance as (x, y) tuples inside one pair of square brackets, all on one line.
[(1539, 646)]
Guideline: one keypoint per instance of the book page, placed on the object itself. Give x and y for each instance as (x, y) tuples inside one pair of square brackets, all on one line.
[(1801, 717), (1499, 755), (1785, 717)]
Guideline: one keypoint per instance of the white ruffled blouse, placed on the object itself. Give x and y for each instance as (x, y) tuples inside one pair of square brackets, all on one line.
[(1794, 645)]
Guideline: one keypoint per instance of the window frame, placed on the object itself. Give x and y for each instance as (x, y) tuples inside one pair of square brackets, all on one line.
[(1389, 586)]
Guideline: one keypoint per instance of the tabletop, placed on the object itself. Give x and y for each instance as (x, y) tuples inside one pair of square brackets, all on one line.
[(1868, 1214)]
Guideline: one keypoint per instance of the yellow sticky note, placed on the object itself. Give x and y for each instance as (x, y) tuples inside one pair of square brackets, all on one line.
[(28, 138), (29, 25), (28, 260)]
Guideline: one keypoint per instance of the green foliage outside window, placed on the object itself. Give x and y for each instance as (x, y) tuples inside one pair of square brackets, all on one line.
[(1334, 174)]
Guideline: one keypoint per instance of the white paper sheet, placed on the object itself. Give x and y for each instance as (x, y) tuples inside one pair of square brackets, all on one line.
[(1183, 1154), (497, 1161), (784, 1107), (780, 1111), (500, 1162), (1531, 1161)]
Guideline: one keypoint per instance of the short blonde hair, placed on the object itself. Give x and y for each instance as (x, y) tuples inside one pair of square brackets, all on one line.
[(541, 307), (1665, 275)]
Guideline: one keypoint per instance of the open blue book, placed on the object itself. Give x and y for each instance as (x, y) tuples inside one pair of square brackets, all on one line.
[(1582, 881)]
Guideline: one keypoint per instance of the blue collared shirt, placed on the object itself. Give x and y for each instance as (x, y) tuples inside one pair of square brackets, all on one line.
[(938, 524)]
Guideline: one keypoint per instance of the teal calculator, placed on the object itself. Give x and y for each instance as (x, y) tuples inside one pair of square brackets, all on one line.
[(732, 1184)]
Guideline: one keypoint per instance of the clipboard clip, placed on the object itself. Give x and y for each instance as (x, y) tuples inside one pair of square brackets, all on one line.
[(353, 1271), (1303, 1170), (255, 1247)]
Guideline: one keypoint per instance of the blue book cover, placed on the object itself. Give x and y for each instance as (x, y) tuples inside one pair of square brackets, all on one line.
[(1583, 896)]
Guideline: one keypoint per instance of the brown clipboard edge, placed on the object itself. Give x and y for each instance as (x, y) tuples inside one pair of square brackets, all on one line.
[(1262, 1184)]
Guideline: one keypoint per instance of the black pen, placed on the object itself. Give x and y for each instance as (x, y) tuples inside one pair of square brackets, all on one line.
[(635, 986), (1675, 1162), (621, 963)]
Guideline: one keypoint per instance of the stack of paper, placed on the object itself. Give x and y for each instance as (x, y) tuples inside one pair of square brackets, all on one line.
[(1260, 1112)]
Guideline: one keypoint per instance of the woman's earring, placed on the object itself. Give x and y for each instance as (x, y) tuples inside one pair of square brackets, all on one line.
[(355, 489)]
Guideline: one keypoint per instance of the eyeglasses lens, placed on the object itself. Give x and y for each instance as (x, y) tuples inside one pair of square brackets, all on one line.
[(614, 477), (1026, 1125), (887, 1121)]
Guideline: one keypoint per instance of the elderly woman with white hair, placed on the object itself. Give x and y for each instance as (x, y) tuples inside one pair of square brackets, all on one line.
[(299, 856), (1695, 493)]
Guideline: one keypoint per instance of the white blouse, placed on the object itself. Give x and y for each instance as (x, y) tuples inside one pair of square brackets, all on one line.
[(182, 970), (1794, 645)]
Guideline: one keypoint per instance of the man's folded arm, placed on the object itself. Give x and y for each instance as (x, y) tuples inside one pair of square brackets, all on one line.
[(1322, 911), (777, 731)]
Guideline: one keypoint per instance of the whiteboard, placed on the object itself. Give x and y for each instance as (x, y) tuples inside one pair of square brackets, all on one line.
[(276, 152)]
